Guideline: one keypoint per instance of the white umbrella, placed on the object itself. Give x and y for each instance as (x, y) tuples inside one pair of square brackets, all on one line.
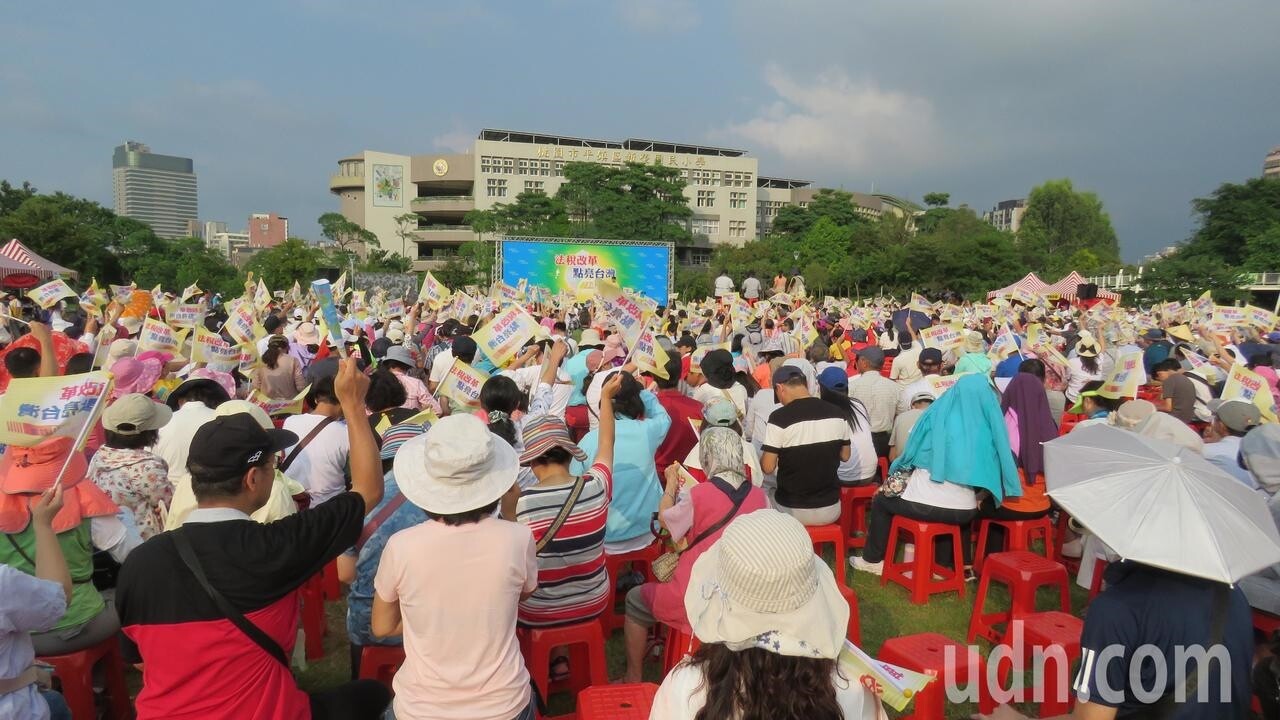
[(1160, 504)]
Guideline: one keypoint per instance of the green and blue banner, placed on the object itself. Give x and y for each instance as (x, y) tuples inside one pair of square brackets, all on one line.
[(560, 265)]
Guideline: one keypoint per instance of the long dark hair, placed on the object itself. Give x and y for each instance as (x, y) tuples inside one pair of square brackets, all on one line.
[(755, 684), (848, 407), (1090, 364), (275, 347)]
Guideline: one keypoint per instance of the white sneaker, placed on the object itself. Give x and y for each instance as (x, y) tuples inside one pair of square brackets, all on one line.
[(858, 563)]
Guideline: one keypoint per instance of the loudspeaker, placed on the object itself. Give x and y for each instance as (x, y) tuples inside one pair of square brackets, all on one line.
[(1086, 291)]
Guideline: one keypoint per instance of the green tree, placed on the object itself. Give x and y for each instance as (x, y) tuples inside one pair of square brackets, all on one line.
[(347, 235), (194, 262), (632, 202), (383, 261), (290, 261), (1235, 222), (835, 205), (937, 199), (1060, 221), (791, 220), (533, 213), (1182, 275), (12, 197), (406, 224), (77, 233)]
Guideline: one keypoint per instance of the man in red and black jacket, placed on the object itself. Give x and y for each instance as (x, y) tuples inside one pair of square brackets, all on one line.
[(184, 596)]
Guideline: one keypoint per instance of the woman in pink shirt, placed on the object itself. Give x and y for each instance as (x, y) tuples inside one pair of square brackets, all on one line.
[(452, 586)]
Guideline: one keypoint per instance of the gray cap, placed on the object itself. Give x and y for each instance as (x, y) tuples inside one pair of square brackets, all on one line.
[(400, 354), (1237, 415), (871, 354)]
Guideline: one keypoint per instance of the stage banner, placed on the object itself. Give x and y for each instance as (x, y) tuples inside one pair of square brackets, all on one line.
[(561, 265)]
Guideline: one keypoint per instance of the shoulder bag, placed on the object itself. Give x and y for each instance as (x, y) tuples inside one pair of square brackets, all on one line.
[(565, 509), (304, 442), (237, 618), (664, 567)]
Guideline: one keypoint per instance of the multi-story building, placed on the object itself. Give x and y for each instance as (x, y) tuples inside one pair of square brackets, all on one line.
[(159, 190), (267, 229), (415, 204), (1271, 165), (227, 242), (1007, 214)]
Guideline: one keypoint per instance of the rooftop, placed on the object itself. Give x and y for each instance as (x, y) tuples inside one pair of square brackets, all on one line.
[(628, 144), (781, 183)]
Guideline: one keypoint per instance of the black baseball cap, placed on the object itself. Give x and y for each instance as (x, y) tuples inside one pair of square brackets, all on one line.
[(931, 355), (787, 373), (230, 444)]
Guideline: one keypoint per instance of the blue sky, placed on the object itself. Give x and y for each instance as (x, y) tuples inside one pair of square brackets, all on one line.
[(1150, 103)]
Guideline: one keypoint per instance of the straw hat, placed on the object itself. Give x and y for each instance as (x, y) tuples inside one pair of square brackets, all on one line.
[(760, 585), (458, 465), (306, 334)]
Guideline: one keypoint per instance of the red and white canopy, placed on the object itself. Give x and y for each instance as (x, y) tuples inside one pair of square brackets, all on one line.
[(18, 258), (1066, 288), (1030, 283)]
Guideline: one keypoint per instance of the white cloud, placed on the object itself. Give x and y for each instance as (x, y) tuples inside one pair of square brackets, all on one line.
[(652, 15), (834, 121), (456, 141)]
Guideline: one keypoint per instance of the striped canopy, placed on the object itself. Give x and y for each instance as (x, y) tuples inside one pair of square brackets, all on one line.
[(1031, 282), (1066, 288), (18, 258)]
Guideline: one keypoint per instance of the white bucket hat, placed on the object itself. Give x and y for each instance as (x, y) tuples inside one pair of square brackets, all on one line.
[(761, 585), (458, 465)]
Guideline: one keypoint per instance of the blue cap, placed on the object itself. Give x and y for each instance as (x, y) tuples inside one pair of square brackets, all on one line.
[(833, 378)]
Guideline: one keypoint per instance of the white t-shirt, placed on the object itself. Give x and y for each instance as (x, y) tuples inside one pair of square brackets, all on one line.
[(862, 451), (440, 366), (751, 288), (321, 466), (724, 285), (683, 693), (922, 489), (174, 442), (706, 393)]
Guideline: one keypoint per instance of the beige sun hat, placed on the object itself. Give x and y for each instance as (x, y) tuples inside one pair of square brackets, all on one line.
[(457, 466), (761, 585)]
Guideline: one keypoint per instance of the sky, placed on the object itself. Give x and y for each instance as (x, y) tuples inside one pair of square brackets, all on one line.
[(1148, 103)]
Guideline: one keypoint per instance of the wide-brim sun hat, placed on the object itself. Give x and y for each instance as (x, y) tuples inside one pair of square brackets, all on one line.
[(544, 432), (457, 466), (761, 586), (135, 376), (306, 334)]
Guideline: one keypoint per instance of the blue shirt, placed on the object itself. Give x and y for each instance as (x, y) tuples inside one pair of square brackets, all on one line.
[(636, 488), (1147, 606), (360, 596), (576, 368)]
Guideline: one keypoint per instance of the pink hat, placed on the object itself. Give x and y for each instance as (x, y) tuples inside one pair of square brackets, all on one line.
[(134, 375), (227, 382), (163, 357)]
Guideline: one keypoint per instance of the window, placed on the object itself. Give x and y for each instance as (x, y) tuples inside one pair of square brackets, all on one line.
[(534, 186), (706, 198), (704, 177), (737, 200), (738, 229), (803, 203), (522, 167), (488, 164), (507, 165), (559, 168), (704, 226), (545, 168), (497, 188)]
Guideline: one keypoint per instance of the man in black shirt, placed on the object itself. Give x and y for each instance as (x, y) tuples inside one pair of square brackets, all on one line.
[(804, 443)]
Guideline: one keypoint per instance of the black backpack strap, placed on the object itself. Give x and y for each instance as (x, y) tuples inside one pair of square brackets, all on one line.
[(237, 618)]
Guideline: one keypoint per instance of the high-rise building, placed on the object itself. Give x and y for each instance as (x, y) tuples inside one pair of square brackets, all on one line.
[(1271, 165), (1007, 214), (159, 190), (267, 229)]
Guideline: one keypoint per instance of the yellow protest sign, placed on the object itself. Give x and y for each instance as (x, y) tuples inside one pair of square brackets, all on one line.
[(32, 409), (156, 335), (191, 291), (894, 686), (51, 293), (649, 356), (943, 337), (503, 336), (433, 292), (1262, 319), (279, 407), (1247, 385), (187, 315), (242, 323), (462, 384), (1125, 378)]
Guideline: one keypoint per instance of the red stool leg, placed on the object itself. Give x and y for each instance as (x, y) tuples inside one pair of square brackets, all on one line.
[(980, 553), (117, 689), (75, 672)]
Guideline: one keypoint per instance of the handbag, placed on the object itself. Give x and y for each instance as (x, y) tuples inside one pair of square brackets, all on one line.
[(896, 483), (284, 465), (664, 566), (565, 509)]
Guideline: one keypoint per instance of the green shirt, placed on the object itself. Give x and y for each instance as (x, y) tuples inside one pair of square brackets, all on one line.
[(19, 551)]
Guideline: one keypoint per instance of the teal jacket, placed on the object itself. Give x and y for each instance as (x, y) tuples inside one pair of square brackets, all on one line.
[(962, 439)]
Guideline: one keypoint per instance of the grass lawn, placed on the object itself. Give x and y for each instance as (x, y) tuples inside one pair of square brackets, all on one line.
[(885, 612)]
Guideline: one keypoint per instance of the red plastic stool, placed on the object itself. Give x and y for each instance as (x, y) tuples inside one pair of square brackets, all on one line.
[(313, 624), (75, 671), (330, 585), (854, 501), (917, 575), (1024, 573), (1265, 621), (830, 535), (855, 625), (883, 464), (380, 662), (587, 663), (611, 619), (1018, 535), (617, 702), (1050, 640), (676, 646), (1095, 583), (927, 653)]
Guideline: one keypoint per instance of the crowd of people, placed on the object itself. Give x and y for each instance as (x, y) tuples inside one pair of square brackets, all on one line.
[(206, 495)]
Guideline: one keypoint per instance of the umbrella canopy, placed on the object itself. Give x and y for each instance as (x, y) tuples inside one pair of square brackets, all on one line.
[(1160, 504), (919, 320)]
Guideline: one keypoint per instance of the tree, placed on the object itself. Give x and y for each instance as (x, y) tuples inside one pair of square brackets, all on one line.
[(533, 213), (1234, 223), (382, 261), (77, 233), (632, 202), (11, 198), (406, 224), (835, 205), (1060, 221), (1182, 275), (291, 261), (791, 220), (473, 265), (347, 235), (937, 199)]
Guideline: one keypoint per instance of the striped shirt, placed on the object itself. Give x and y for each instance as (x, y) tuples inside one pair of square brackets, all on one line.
[(808, 435), (572, 582)]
